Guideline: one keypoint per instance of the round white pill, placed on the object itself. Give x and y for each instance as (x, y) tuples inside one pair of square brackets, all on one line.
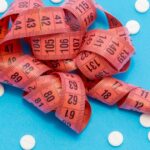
[(133, 26), (1, 90), (115, 138), (145, 120), (3, 6), (142, 6), (56, 1), (149, 135), (27, 142)]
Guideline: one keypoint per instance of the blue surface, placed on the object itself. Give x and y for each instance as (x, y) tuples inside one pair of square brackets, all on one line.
[(17, 117)]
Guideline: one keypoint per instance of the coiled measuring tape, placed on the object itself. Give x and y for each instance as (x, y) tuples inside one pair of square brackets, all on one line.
[(112, 91), (61, 43)]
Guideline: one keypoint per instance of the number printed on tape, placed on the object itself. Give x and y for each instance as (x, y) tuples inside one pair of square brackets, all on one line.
[(60, 43)]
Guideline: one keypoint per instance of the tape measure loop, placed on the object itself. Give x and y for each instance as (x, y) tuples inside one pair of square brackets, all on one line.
[(105, 53), (60, 42), (72, 108)]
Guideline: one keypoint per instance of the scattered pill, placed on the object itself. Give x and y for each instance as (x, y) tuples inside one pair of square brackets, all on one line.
[(56, 1), (3, 6), (1, 90), (142, 6), (133, 26), (27, 142), (149, 135), (145, 120), (115, 138)]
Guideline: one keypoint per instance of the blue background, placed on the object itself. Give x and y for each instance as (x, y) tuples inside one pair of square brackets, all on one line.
[(17, 117)]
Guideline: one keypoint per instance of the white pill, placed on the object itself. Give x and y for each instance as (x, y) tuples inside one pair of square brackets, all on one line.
[(56, 1), (145, 120), (115, 138), (149, 135), (3, 6), (27, 142), (1, 90), (133, 26), (142, 6)]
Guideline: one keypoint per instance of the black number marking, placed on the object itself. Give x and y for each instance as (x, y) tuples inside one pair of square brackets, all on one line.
[(38, 101), (73, 85), (139, 105), (36, 44), (76, 44), (73, 99), (9, 48), (31, 23), (123, 56), (117, 84), (89, 19), (82, 7), (64, 45), (11, 60), (31, 88), (50, 45), (27, 68), (93, 65), (23, 4), (58, 19), (112, 48), (106, 94), (17, 25), (144, 93), (16, 77), (45, 21), (100, 40), (49, 96), (70, 114), (36, 5), (84, 55)]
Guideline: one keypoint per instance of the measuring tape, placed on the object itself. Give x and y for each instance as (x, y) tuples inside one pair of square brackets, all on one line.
[(112, 91), (105, 53), (60, 43)]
